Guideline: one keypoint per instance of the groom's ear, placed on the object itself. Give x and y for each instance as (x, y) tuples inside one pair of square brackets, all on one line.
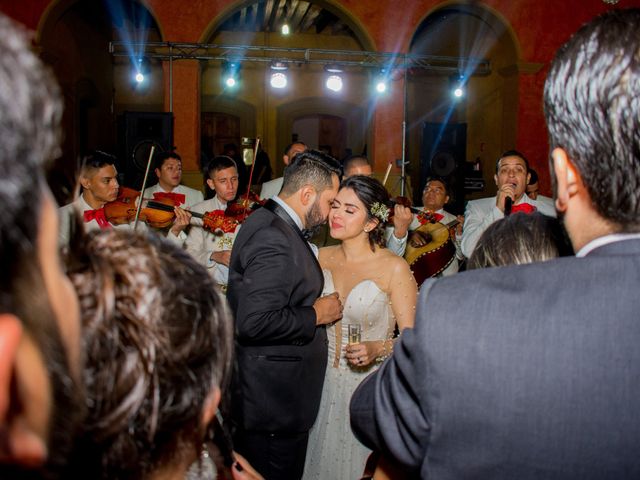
[(308, 195)]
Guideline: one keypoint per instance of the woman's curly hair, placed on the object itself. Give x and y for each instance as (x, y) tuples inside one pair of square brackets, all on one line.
[(157, 339)]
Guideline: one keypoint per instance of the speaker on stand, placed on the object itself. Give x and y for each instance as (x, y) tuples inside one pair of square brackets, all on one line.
[(443, 154), (139, 131)]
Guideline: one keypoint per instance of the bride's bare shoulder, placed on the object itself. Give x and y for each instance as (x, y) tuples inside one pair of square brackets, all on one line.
[(392, 261)]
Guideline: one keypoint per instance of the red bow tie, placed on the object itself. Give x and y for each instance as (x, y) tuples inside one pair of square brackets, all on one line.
[(429, 217), (523, 208), (97, 215), (177, 198)]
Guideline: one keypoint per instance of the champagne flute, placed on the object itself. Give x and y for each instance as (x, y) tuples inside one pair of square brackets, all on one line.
[(355, 332)]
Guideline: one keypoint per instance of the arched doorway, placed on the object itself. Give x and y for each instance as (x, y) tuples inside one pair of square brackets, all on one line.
[(97, 89), (314, 25), (476, 128)]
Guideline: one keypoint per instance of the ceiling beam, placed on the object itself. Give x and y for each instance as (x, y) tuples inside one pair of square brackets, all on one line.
[(309, 18), (296, 15), (242, 20), (268, 10)]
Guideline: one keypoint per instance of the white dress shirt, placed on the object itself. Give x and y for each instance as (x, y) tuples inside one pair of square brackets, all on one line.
[(605, 240), (296, 219)]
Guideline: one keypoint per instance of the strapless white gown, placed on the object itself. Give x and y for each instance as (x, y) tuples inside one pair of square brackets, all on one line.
[(333, 452)]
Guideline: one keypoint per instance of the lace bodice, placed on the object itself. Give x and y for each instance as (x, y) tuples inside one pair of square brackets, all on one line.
[(366, 305)]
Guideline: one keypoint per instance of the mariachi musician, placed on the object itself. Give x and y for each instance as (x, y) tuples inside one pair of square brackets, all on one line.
[(435, 195), (213, 249), (168, 170), (99, 181)]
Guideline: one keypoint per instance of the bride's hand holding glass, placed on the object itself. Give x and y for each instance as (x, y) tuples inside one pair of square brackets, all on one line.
[(364, 353)]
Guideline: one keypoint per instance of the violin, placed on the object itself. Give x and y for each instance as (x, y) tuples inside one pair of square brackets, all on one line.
[(242, 207), (123, 210), (159, 213)]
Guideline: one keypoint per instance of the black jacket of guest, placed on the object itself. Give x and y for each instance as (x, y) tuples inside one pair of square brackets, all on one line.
[(274, 280)]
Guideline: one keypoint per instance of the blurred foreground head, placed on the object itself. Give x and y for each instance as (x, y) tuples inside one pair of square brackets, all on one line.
[(39, 326), (592, 109), (158, 343)]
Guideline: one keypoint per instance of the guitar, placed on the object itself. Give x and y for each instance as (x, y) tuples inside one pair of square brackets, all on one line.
[(433, 258)]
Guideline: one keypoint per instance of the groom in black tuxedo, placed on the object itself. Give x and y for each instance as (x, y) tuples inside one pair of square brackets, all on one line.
[(535, 373), (275, 282)]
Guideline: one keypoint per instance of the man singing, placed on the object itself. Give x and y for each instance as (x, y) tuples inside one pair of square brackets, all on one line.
[(512, 176)]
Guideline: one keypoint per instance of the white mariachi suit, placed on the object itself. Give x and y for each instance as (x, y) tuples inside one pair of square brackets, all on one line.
[(481, 213), (201, 243), (78, 207), (192, 197)]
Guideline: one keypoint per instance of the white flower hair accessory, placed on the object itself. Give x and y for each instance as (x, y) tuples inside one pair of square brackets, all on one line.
[(380, 211)]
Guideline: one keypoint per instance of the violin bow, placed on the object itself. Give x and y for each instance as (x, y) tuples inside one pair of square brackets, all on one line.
[(144, 182), (253, 165), (386, 175)]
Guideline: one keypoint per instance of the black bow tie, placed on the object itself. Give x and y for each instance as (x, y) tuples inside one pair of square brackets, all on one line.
[(308, 233)]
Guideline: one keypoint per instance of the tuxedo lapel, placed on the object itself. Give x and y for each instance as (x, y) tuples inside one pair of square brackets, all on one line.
[(280, 212)]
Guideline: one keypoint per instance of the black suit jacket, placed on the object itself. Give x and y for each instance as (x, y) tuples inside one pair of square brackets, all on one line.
[(516, 372), (274, 279)]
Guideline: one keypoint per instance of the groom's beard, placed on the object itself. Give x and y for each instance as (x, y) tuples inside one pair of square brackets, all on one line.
[(314, 219)]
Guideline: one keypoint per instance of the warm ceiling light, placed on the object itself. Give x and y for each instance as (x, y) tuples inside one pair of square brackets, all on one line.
[(278, 75), (334, 83), (278, 80)]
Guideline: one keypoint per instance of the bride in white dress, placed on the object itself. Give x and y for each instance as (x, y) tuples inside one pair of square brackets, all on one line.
[(377, 290)]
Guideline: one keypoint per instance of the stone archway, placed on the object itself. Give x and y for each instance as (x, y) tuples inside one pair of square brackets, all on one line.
[(489, 110), (355, 137), (73, 36), (306, 81)]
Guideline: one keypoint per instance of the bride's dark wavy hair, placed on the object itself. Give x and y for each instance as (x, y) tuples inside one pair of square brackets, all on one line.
[(370, 191)]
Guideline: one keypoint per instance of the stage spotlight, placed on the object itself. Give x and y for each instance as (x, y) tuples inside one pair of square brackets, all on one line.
[(141, 69), (278, 75), (458, 87), (230, 74), (334, 80), (381, 82), (278, 80), (334, 83)]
